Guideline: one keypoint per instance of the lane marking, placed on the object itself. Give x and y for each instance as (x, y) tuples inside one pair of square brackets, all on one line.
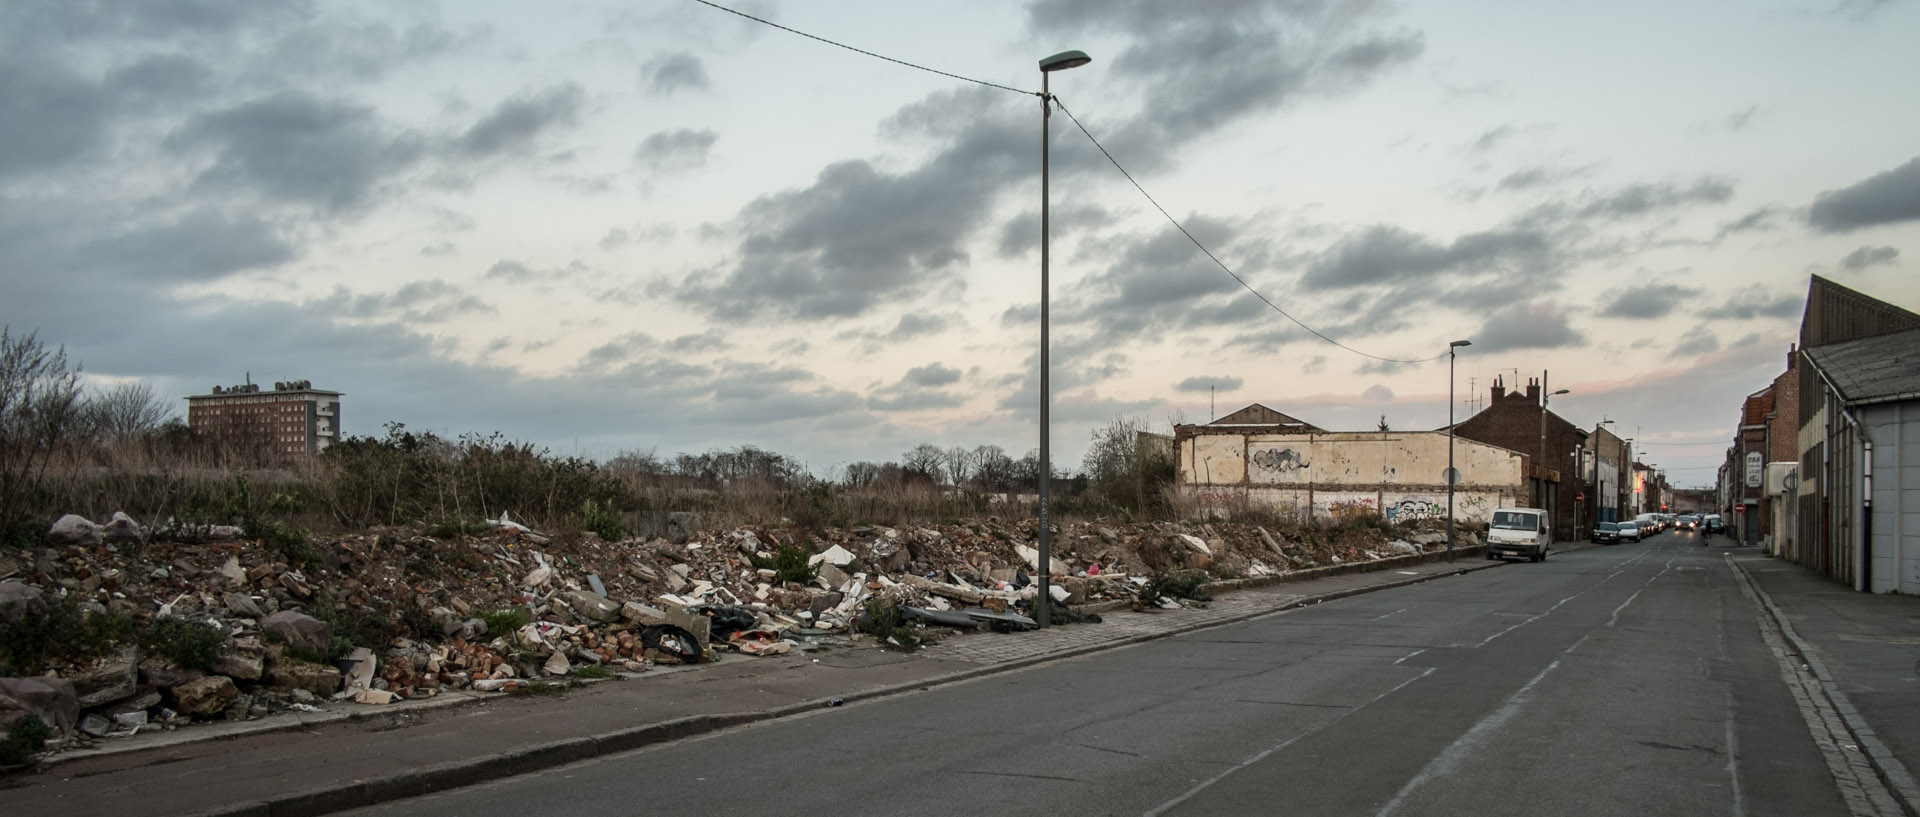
[(1450, 758), (1264, 754)]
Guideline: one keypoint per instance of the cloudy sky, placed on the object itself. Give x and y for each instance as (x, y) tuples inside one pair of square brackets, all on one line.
[(608, 226)]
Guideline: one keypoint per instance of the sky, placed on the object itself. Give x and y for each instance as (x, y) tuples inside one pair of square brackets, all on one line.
[(610, 227)]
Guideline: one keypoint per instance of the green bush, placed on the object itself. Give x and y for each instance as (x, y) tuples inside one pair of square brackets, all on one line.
[(789, 564), (64, 633), (602, 519), (189, 644), (592, 672), (24, 738), (505, 621), (883, 622), (1178, 584)]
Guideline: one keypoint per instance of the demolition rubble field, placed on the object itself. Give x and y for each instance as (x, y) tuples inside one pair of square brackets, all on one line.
[(234, 628)]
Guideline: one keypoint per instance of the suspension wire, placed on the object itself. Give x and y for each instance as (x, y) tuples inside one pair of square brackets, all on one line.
[(862, 51), (1216, 260), (1103, 150)]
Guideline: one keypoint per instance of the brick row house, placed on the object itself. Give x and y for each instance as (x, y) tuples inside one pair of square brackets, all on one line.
[(1556, 463)]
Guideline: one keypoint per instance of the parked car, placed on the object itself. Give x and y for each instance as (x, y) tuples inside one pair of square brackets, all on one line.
[(1628, 531), (1713, 523), (1649, 523), (1608, 533)]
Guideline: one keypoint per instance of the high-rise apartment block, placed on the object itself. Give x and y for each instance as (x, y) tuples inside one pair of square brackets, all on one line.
[(294, 418)]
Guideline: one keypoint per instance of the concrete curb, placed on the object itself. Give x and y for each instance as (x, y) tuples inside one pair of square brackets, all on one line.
[(457, 774), (1885, 764)]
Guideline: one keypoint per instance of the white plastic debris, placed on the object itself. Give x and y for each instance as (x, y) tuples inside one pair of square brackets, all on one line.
[(835, 555)]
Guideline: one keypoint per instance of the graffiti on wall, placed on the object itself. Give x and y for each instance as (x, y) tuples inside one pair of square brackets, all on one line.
[(1280, 460), (1413, 509), (1348, 506)]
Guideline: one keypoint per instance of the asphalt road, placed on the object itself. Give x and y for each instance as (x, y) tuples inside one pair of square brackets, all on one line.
[(1623, 680)]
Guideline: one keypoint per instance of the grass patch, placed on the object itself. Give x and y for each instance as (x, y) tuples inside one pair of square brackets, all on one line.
[(593, 672), (65, 632), (883, 622), (1177, 584), (540, 688), (789, 564), (188, 644), (23, 739), (506, 620)]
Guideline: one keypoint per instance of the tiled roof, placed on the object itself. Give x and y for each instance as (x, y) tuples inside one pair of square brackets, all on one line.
[(1876, 369)]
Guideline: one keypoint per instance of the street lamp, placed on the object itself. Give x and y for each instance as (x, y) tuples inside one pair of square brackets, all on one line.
[(1058, 62), (1453, 475), (1545, 398)]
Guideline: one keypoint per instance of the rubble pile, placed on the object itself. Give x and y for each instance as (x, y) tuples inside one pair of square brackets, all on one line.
[(393, 614)]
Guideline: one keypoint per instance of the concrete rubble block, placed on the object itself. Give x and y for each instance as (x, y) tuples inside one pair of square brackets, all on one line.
[(206, 697), (231, 570), (591, 606), (832, 577), (1194, 543), (679, 527), (21, 603), (642, 614), (114, 679), (52, 700), (1078, 590), (240, 667), (165, 674), (122, 528), (96, 725), (374, 696), (835, 555), (557, 664), (74, 529), (314, 678), (143, 699), (243, 605), (699, 625), (299, 630)]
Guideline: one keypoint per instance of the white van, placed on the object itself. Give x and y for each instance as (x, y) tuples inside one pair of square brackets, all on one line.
[(1519, 533)]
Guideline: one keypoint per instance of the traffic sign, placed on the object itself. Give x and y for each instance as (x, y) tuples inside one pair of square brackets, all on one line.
[(1451, 476)]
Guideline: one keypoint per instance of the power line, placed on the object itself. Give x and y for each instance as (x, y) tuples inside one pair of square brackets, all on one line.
[(1103, 150), (1209, 253), (863, 51)]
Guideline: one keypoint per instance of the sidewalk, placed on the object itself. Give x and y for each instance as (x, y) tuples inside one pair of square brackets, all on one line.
[(316, 764), (1861, 650)]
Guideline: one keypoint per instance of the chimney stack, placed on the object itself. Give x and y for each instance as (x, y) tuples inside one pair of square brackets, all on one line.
[(1499, 389), (1533, 391)]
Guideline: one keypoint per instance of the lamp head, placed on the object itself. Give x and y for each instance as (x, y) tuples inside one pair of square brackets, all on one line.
[(1563, 391), (1459, 343), (1064, 60)]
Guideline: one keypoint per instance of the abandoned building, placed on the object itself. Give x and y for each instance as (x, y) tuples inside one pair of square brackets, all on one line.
[(1263, 458), (294, 418)]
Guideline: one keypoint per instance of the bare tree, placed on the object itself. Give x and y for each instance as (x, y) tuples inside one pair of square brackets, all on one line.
[(960, 464), (125, 410), (924, 459), (992, 468), (39, 407)]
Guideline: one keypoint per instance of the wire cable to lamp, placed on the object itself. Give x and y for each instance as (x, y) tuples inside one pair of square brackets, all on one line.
[(1055, 99)]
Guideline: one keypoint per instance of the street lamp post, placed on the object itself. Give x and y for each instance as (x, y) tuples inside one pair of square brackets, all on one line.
[(1453, 474), (1545, 398), (1058, 62)]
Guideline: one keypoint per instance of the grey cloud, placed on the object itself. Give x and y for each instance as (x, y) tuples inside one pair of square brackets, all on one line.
[(1640, 199), (1200, 66), (678, 71), (1537, 177), (416, 302), (1648, 301), (709, 341), (918, 324), (932, 375), (516, 123), (48, 115), (1021, 234), (1738, 120), (298, 148), (158, 78), (617, 351), (1526, 325), (1491, 139), (513, 272), (1754, 302), (202, 245), (1883, 198), (1385, 254), (1761, 219), (676, 150), (1866, 257), (440, 249), (1377, 393), (1208, 383), (859, 237), (1699, 341)]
